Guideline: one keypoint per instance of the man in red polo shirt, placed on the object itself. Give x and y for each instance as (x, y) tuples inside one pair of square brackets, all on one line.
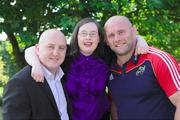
[(144, 87)]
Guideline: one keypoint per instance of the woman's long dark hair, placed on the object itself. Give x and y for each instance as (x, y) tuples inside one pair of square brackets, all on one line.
[(74, 48)]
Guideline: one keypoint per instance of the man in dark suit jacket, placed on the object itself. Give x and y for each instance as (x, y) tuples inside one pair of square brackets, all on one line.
[(24, 98)]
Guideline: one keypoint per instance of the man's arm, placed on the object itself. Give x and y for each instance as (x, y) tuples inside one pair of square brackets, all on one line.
[(114, 115), (175, 99), (16, 102), (168, 75)]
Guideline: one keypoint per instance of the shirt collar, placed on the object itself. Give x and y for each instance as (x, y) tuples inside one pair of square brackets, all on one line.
[(134, 59), (48, 75)]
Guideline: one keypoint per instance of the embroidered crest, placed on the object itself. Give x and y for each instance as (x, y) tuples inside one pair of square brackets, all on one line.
[(140, 70)]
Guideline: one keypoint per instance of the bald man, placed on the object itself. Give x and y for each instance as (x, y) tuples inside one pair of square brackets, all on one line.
[(144, 87), (26, 99)]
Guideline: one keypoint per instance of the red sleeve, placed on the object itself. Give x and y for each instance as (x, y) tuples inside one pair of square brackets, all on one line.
[(166, 69)]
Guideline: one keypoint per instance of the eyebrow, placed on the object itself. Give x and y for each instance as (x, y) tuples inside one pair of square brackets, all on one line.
[(90, 31), (55, 44)]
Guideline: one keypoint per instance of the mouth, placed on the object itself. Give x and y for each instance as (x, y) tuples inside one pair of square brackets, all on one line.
[(54, 59), (88, 44), (120, 45)]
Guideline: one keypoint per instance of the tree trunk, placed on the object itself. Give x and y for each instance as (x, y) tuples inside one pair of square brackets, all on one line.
[(19, 56)]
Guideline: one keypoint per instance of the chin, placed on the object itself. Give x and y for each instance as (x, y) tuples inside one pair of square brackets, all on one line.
[(54, 65)]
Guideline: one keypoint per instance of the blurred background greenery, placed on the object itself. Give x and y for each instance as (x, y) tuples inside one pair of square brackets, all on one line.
[(22, 21)]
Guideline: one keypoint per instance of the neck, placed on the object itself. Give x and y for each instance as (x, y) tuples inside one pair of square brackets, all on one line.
[(86, 54), (122, 59), (53, 72)]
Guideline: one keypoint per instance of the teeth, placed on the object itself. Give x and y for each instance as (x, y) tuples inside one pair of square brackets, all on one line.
[(88, 43), (118, 45)]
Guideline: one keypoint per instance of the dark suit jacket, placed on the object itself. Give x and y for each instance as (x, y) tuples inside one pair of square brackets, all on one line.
[(25, 99)]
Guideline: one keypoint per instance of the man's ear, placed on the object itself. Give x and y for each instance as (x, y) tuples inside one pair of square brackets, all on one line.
[(107, 43), (134, 29), (106, 40), (37, 49)]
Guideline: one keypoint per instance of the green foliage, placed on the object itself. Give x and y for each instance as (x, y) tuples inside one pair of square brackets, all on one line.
[(156, 20), (9, 65), (3, 78)]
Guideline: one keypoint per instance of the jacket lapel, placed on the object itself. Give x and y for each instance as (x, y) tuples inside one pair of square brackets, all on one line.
[(69, 106), (47, 91)]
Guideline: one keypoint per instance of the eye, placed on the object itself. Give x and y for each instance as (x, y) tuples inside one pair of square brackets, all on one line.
[(120, 32), (62, 48), (50, 47), (83, 34), (110, 36), (93, 34)]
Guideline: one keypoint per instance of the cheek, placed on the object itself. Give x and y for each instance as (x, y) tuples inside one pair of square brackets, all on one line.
[(43, 58), (109, 42), (124, 36), (45, 54), (62, 57), (129, 39), (63, 54), (80, 43), (96, 42)]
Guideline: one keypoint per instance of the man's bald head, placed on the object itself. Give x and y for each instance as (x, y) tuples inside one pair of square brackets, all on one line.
[(117, 19), (51, 34)]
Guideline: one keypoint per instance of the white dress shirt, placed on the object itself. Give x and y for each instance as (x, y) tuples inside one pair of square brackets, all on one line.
[(54, 82)]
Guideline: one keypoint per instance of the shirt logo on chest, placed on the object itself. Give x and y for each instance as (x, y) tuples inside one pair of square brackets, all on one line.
[(140, 70)]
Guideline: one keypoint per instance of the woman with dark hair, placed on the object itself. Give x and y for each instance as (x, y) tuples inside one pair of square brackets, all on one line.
[(86, 71)]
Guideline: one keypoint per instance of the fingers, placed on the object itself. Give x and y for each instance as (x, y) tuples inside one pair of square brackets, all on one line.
[(37, 74), (37, 77), (143, 50), (142, 46)]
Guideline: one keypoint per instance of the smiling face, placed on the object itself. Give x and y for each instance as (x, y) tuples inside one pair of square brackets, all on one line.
[(88, 38), (120, 35), (51, 49)]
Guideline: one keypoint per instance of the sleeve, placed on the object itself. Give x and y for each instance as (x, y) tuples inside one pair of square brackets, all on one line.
[(167, 71), (15, 101)]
